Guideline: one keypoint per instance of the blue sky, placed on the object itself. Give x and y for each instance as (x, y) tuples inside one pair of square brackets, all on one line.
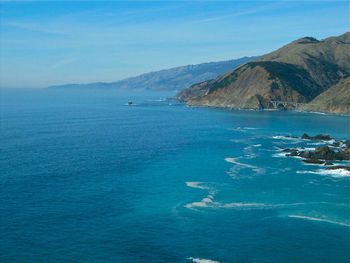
[(55, 42)]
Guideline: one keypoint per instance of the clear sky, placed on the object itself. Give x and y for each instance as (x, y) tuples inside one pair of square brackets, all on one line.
[(55, 42)]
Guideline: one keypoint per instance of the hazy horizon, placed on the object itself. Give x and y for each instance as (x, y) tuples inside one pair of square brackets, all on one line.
[(49, 43)]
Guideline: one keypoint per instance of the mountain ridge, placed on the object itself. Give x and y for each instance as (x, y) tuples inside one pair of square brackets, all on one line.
[(297, 72), (175, 78)]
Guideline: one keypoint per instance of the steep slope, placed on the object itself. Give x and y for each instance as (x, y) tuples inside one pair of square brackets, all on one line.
[(336, 99), (297, 72), (170, 79)]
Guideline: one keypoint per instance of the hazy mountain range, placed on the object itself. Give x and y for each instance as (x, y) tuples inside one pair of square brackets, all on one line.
[(313, 73), (175, 79), (308, 71)]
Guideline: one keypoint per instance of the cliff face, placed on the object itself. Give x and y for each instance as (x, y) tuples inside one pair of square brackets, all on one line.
[(297, 72), (336, 99)]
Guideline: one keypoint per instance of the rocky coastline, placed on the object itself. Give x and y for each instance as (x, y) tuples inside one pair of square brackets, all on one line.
[(332, 151)]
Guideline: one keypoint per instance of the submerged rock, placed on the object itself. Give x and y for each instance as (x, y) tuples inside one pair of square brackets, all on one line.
[(328, 163), (336, 144), (319, 137), (347, 143), (313, 161)]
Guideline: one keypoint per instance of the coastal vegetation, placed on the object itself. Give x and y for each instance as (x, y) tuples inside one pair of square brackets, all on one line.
[(311, 73)]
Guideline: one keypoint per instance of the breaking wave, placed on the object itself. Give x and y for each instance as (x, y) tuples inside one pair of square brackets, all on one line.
[(336, 173), (289, 138)]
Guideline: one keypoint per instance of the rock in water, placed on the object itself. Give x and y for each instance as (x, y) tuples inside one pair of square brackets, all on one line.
[(319, 137)]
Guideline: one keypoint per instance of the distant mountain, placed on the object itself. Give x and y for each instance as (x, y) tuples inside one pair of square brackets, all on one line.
[(169, 79), (297, 72)]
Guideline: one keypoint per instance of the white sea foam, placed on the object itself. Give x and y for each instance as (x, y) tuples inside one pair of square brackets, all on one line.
[(244, 129), (230, 160), (279, 155), (251, 128), (198, 185), (296, 157), (305, 148), (318, 219), (253, 205), (249, 152), (282, 137), (285, 142), (336, 173), (244, 165), (250, 155), (314, 164), (206, 201), (318, 112), (233, 160), (248, 149), (202, 260), (242, 141), (315, 143), (245, 205), (236, 175), (238, 129), (157, 100), (276, 148)]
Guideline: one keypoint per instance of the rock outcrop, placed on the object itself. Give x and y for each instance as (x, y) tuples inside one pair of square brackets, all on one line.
[(319, 137), (333, 151)]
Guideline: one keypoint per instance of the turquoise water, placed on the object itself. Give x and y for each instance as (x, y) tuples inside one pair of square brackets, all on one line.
[(85, 178)]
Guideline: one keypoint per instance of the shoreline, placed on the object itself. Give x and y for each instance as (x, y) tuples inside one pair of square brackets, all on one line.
[(264, 110)]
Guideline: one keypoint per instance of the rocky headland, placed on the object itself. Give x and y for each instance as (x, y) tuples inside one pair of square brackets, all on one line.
[(305, 75), (332, 151)]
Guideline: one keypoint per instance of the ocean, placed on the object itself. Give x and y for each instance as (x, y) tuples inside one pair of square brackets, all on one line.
[(86, 178)]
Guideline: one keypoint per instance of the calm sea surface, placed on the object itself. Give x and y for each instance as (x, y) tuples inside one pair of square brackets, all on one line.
[(85, 178)]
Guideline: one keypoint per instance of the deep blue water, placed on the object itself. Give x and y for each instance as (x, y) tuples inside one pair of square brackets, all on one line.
[(85, 178)]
